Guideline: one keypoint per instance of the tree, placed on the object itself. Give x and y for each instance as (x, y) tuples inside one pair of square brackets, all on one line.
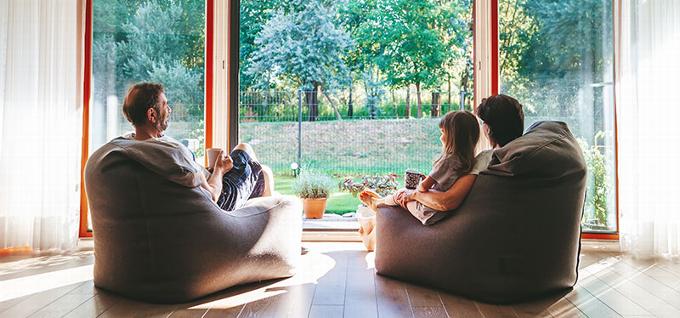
[(161, 41), (358, 18), (551, 53), (402, 39), (253, 16), (453, 25), (302, 44), (456, 25)]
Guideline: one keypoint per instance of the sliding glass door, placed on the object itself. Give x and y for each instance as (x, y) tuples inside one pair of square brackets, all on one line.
[(148, 41), (557, 58)]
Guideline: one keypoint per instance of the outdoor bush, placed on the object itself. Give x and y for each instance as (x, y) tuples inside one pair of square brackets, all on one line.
[(310, 185), (596, 200), (383, 185)]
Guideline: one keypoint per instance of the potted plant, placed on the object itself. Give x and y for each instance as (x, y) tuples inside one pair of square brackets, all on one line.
[(314, 190)]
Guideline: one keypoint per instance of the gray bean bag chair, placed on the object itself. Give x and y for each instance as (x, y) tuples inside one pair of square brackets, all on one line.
[(159, 237), (516, 235)]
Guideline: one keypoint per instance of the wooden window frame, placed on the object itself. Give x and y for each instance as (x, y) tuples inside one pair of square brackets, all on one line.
[(87, 81)]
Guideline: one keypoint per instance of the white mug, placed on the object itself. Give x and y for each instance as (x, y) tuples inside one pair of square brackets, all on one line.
[(212, 156)]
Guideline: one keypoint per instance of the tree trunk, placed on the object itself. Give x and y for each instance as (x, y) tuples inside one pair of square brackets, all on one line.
[(448, 103), (374, 91), (464, 83), (394, 102), (408, 101), (335, 109), (367, 93), (436, 104), (312, 101), (420, 103), (350, 106)]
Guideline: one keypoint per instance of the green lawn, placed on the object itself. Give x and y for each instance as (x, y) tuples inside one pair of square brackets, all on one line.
[(347, 147), (338, 203), (344, 148)]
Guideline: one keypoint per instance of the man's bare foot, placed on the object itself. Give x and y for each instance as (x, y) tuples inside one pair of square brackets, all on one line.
[(370, 199)]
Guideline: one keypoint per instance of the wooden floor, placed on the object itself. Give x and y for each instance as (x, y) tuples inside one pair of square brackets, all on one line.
[(338, 280)]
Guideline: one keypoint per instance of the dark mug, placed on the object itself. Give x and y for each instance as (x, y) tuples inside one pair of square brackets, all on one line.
[(412, 178)]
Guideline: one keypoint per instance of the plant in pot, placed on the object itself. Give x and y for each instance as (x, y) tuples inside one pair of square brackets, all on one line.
[(313, 189)]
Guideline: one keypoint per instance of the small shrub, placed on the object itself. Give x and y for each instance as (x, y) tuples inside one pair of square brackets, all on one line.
[(383, 185), (597, 168), (312, 185)]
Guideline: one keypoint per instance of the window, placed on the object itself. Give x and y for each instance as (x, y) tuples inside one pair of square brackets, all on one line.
[(556, 57), (157, 41), (354, 90), (148, 40), (351, 88)]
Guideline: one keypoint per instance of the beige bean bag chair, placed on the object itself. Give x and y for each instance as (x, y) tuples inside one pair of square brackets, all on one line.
[(159, 237), (516, 235)]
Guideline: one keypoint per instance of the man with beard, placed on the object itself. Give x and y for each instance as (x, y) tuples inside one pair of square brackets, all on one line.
[(234, 178)]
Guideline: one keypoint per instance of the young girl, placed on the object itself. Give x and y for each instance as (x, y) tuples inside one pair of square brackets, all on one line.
[(459, 136)]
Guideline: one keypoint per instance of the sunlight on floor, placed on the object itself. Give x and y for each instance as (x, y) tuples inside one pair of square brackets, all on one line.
[(316, 265), (240, 299), (33, 284)]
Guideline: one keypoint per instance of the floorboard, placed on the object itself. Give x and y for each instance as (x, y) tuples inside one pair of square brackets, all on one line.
[(460, 307), (392, 299), (489, 310), (360, 298), (224, 312), (65, 304), (36, 302), (94, 306), (326, 311), (339, 280), (429, 312), (330, 289)]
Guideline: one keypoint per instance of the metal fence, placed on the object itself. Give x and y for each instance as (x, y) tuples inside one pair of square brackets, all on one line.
[(283, 128), (266, 106), (292, 127)]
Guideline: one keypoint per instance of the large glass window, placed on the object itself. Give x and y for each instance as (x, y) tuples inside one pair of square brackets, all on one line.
[(556, 57), (351, 88), (148, 40)]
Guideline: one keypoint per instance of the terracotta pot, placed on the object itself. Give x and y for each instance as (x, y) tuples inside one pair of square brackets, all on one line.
[(314, 208)]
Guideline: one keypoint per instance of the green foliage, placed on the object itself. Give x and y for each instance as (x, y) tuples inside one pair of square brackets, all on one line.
[(198, 133), (383, 185), (338, 203), (253, 16), (152, 40), (599, 184), (402, 42), (310, 185), (302, 44), (552, 51), (292, 44)]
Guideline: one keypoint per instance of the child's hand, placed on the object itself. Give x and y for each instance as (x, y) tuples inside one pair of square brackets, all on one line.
[(421, 187)]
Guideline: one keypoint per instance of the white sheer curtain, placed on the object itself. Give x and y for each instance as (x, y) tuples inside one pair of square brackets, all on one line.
[(648, 109), (40, 124)]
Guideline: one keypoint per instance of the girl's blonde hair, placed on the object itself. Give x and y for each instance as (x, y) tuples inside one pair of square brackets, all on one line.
[(462, 134)]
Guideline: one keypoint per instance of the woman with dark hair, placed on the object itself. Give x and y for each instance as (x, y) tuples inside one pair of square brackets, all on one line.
[(503, 122)]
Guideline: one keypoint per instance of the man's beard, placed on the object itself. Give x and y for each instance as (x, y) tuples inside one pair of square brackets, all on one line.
[(162, 125)]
